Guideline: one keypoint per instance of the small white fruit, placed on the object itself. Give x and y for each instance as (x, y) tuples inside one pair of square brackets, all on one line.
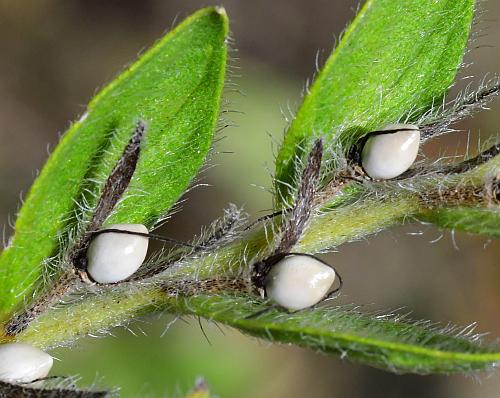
[(22, 363), (114, 256), (388, 155), (299, 281)]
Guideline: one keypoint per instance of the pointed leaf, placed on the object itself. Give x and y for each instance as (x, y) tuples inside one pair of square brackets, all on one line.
[(395, 59), (388, 342), (175, 88), (484, 221)]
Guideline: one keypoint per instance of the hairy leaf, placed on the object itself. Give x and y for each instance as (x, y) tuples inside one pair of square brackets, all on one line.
[(388, 342), (477, 220), (394, 60), (175, 89)]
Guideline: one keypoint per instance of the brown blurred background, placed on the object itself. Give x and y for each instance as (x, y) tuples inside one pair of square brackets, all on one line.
[(56, 53)]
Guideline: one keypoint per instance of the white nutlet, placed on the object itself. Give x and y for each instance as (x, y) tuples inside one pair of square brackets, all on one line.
[(299, 281), (388, 155), (22, 363), (114, 256)]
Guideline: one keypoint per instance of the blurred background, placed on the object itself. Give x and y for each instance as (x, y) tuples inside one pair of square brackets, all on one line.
[(56, 53)]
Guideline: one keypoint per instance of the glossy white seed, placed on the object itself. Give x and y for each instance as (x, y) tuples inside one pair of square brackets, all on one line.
[(299, 281), (22, 363), (113, 256), (389, 155)]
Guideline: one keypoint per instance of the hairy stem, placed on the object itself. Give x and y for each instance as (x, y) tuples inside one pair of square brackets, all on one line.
[(379, 205)]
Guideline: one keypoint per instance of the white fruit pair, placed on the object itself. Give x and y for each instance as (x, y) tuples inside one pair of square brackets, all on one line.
[(295, 282), (301, 281)]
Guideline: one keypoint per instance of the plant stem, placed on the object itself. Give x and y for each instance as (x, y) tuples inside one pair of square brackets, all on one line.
[(381, 205)]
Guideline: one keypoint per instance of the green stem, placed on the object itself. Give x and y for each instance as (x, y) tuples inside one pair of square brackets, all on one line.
[(385, 205), (114, 306)]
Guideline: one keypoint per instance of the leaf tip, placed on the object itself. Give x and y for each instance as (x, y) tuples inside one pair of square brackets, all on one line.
[(221, 11), (217, 15), (215, 11)]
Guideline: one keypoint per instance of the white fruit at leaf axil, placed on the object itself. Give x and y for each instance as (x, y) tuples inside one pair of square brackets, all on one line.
[(22, 363), (388, 155), (299, 281), (114, 256)]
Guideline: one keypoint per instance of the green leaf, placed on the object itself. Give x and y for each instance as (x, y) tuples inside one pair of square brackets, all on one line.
[(175, 88), (396, 58), (484, 221), (388, 342)]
